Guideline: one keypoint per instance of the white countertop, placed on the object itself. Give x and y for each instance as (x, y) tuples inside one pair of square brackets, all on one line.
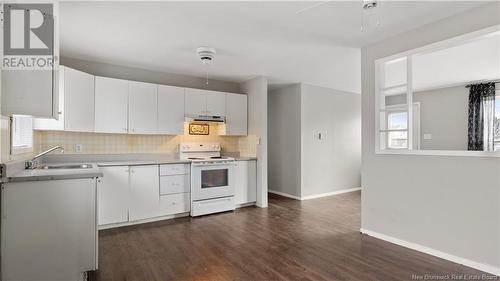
[(97, 160), (55, 174)]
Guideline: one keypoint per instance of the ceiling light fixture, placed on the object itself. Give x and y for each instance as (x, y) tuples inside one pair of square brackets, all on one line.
[(207, 55), (369, 17)]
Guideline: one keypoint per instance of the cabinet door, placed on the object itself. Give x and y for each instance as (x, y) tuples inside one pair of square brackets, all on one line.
[(170, 110), (236, 115), (111, 102), (113, 195), (144, 192), (78, 101), (216, 103), (252, 180), (245, 174), (54, 124), (195, 102), (143, 108), (27, 91), (175, 204)]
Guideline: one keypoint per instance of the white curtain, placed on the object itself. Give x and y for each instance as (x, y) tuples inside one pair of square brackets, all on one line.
[(488, 107)]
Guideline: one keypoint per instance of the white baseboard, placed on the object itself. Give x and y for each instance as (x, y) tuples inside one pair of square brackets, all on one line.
[(245, 205), (470, 263), (314, 195), (284, 194), (330, 193)]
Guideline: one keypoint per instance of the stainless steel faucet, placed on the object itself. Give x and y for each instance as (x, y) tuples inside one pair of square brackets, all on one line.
[(33, 163)]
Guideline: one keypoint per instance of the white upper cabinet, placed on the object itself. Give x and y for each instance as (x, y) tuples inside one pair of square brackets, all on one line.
[(28, 91), (216, 103), (170, 110), (111, 105), (195, 102), (203, 102), (236, 115), (143, 110), (78, 101), (51, 123)]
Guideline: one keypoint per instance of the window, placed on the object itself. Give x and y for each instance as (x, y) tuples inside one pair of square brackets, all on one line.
[(397, 130), (497, 121), (22, 134), (432, 76)]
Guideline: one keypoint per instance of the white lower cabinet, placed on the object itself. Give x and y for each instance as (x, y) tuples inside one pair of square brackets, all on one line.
[(245, 182), (175, 184), (144, 192), (175, 203), (135, 193), (113, 192)]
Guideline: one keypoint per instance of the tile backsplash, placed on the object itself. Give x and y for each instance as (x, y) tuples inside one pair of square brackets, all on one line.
[(98, 143)]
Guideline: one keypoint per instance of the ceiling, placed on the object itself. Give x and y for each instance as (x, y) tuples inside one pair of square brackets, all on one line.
[(320, 46)]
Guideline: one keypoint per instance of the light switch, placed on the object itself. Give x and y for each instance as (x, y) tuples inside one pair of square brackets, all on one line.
[(427, 136), (78, 148)]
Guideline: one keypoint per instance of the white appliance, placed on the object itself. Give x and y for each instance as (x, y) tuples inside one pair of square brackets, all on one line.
[(49, 229), (212, 178)]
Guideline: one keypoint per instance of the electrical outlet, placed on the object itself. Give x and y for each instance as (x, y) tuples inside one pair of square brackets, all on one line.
[(78, 148)]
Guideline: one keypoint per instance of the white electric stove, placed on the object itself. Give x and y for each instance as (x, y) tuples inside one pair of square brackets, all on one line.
[(212, 178)]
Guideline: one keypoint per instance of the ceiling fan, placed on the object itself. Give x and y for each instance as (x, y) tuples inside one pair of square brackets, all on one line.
[(368, 16)]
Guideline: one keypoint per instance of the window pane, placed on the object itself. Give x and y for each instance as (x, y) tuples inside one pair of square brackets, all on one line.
[(22, 132), (398, 140), (397, 121), (395, 73)]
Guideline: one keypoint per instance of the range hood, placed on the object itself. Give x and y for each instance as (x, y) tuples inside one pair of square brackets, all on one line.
[(205, 118)]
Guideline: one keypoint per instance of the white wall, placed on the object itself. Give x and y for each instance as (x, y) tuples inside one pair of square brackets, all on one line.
[(443, 114), (334, 162), (448, 204), (302, 165), (256, 89), (284, 140)]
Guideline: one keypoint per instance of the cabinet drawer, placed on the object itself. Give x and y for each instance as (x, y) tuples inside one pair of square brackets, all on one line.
[(174, 184), (174, 169), (175, 203)]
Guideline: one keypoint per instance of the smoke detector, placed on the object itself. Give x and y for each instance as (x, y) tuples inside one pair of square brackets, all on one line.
[(206, 54)]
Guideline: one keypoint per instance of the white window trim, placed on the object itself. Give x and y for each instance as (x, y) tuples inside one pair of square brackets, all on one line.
[(409, 96), (16, 150)]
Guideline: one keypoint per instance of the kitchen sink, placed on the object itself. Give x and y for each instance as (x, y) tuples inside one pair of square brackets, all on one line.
[(76, 166)]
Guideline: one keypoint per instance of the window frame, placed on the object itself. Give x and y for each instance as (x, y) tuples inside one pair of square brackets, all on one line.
[(390, 111), (379, 94)]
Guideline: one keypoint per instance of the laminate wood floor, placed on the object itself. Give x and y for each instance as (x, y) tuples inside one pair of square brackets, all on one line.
[(316, 239)]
